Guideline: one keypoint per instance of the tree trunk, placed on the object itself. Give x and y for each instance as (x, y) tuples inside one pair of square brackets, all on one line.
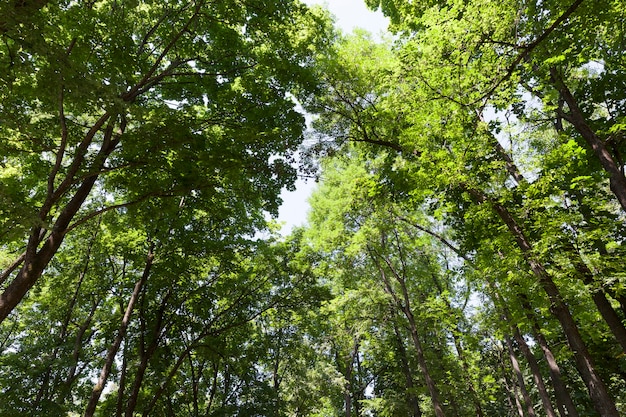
[(412, 400), (404, 305), (520, 378), (562, 395), (35, 261), (512, 398), (421, 360), (121, 333), (536, 371), (604, 306), (617, 180), (146, 355), (530, 358), (349, 366), (455, 331), (119, 404), (598, 392)]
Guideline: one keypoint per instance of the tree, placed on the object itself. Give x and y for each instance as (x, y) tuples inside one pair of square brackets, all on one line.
[(108, 105), (370, 245), (143, 146), (440, 152)]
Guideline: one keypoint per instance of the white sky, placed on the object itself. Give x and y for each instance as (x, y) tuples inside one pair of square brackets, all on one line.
[(350, 14)]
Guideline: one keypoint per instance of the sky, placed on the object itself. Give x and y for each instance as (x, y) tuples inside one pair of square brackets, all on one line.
[(349, 14)]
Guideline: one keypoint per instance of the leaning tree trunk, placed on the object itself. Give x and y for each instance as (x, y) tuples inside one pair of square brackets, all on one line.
[(520, 378), (523, 346), (536, 371), (404, 306), (512, 397), (598, 295), (603, 403), (37, 258), (564, 400), (121, 333), (576, 118)]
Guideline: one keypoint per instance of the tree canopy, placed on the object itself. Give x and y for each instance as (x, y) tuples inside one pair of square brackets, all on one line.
[(464, 244)]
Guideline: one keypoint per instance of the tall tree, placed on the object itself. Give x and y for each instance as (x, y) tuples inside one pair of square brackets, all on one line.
[(426, 120), (127, 102)]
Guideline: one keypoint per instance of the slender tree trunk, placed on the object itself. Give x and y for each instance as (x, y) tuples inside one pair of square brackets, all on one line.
[(121, 333), (617, 180), (404, 305), (562, 395), (512, 398), (119, 404), (598, 392), (359, 392), (520, 378), (349, 366), (536, 371), (600, 245), (421, 360), (577, 119), (412, 400), (603, 305), (146, 355), (73, 371), (460, 351), (525, 349), (214, 382), (194, 386), (170, 375)]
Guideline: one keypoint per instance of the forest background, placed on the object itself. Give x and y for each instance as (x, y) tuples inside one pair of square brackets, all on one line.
[(465, 244)]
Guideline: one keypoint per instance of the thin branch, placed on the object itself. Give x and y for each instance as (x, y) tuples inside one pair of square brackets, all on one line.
[(148, 80), (439, 238), (530, 47), (9, 270)]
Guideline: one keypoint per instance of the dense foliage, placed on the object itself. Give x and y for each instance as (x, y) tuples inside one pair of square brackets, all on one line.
[(464, 246)]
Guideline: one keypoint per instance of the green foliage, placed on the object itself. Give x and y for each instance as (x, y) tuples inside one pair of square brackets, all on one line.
[(463, 171), (471, 131)]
